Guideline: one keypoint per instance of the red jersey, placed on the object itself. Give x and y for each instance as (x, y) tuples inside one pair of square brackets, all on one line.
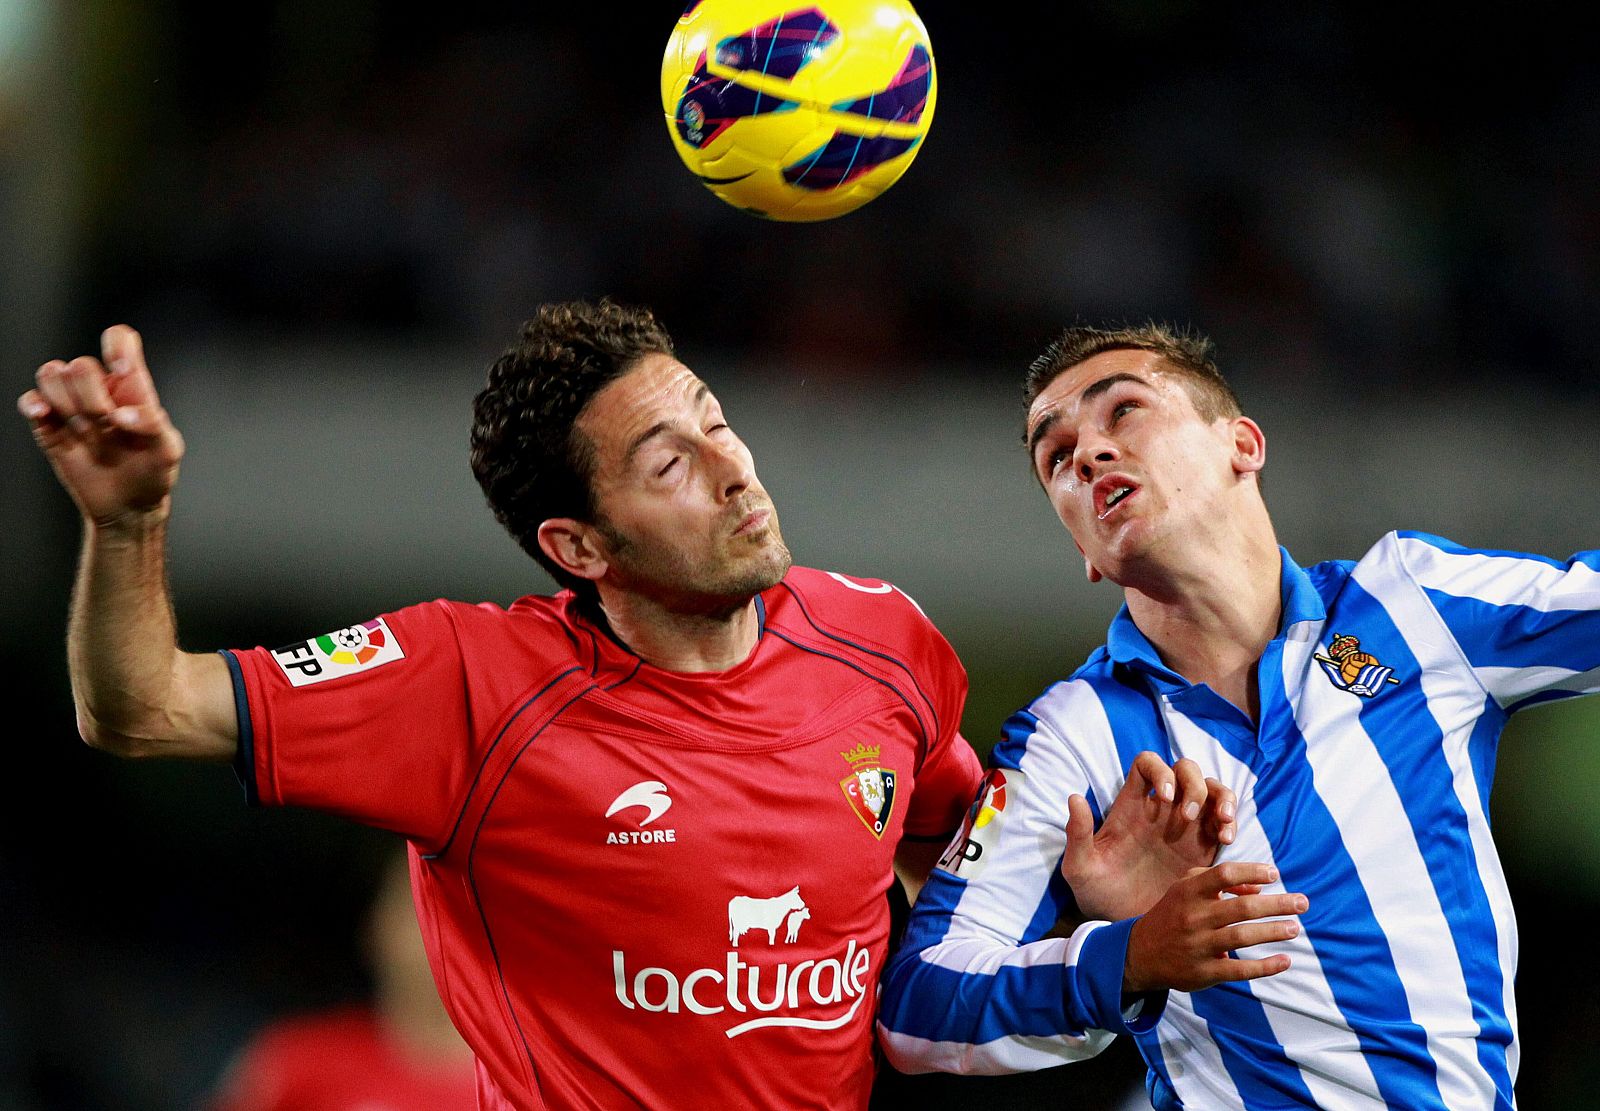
[(342, 1060), (637, 887)]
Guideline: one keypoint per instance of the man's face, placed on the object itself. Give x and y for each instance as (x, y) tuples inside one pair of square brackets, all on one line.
[(685, 520), (1132, 469)]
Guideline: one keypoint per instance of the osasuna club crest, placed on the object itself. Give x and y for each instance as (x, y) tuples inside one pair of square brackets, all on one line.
[(869, 787)]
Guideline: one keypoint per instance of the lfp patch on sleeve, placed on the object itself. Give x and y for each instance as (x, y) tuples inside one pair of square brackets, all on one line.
[(969, 853), (341, 652)]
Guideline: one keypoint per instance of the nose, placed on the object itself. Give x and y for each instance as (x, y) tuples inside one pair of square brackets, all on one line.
[(1093, 451), (732, 468)]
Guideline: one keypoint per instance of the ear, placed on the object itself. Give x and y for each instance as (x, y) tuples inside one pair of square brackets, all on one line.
[(574, 546), (1249, 446), (1090, 571)]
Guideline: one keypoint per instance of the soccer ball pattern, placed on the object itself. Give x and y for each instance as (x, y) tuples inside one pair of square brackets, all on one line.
[(797, 111)]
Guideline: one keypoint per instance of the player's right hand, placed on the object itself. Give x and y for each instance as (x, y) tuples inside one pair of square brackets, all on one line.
[(101, 425), (1184, 942)]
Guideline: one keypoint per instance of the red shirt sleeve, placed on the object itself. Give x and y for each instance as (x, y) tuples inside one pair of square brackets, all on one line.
[(372, 722), (951, 772)]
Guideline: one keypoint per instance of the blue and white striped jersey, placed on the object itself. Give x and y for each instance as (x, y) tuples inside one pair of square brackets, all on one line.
[(1366, 784)]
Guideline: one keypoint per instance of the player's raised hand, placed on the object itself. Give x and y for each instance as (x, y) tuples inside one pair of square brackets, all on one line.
[(1165, 822), (1184, 942), (101, 425)]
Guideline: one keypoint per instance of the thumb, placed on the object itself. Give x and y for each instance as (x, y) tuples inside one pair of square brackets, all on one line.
[(1080, 835)]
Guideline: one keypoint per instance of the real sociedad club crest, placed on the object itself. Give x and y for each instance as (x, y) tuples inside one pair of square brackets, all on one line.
[(1354, 670), (869, 787)]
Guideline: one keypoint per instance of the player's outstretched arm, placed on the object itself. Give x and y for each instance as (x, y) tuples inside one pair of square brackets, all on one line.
[(1184, 941), (1165, 822), (101, 425)]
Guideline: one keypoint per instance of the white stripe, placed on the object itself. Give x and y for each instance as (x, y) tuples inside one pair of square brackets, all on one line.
[(1501, 579), (1191, 1058), (1299, 1005), (1073, 710), (1512, 684), (1007, 1055), (1455, 703), (1033, 833)]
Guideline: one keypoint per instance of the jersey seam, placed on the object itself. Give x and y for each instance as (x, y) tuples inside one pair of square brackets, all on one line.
[(883, 655), (477, 777), (477, 900), (922, 727)]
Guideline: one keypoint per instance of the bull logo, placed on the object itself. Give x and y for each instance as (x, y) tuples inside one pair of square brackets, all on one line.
[(1353, 670), (746, 914)]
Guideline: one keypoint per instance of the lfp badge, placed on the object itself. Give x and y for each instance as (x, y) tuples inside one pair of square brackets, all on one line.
[(341, 652)]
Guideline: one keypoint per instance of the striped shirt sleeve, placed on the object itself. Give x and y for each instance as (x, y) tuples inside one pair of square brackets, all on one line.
[(1528, 626), (982, 983)]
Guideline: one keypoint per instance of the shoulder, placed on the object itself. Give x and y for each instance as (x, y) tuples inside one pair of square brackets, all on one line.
[(1086, 719), (867, 608), (534, 617), (871, 622)]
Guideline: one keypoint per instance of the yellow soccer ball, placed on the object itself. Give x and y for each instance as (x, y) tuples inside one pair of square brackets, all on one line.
[(798, 111)]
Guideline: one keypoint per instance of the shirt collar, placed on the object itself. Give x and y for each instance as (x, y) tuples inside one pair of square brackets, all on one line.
[(1125, 644)]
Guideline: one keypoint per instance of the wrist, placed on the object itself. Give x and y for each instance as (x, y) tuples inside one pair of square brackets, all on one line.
[(1134, 981), (130, 523)]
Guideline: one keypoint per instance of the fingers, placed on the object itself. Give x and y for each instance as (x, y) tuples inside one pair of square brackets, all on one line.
[(48, 428), (1149, 776), (1181, 784), (85, 381), (87, 396), (1232, 873), (1221, 811), (1224, 971), (1192, 788), (123, 352), (1246, 934)]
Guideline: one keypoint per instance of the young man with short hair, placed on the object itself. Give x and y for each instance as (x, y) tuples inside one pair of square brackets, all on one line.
[(1353, 708)]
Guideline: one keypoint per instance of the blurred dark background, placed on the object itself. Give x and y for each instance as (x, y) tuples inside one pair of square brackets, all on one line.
[(327, 217)]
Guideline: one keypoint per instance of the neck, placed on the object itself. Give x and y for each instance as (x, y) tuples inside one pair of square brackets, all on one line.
[(1212, 616), (676, 639)]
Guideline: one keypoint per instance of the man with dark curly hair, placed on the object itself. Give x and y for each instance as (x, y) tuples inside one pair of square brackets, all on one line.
[(653, 818)]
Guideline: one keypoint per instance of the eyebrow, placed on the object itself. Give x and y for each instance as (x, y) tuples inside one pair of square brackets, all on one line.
[(1090, 392), (1095, 389), (659, 427)]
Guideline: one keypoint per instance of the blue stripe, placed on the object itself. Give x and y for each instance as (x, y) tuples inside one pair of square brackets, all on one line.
[(1483, 748), (1016, 1001), (1539, 697), (1136, 724), (1250, 1051), (974, 1007), (1495, 635), (1340, 926), (244, 757), (1411, 745), (1015, 734)]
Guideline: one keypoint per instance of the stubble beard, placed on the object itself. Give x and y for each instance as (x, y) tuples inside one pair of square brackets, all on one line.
[(717, 585)]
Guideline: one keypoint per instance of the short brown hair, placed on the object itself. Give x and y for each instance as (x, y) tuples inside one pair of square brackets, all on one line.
[(527, 454), (1185, 351)]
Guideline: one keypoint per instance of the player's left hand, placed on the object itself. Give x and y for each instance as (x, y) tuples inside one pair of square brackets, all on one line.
[(1165, 822)]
